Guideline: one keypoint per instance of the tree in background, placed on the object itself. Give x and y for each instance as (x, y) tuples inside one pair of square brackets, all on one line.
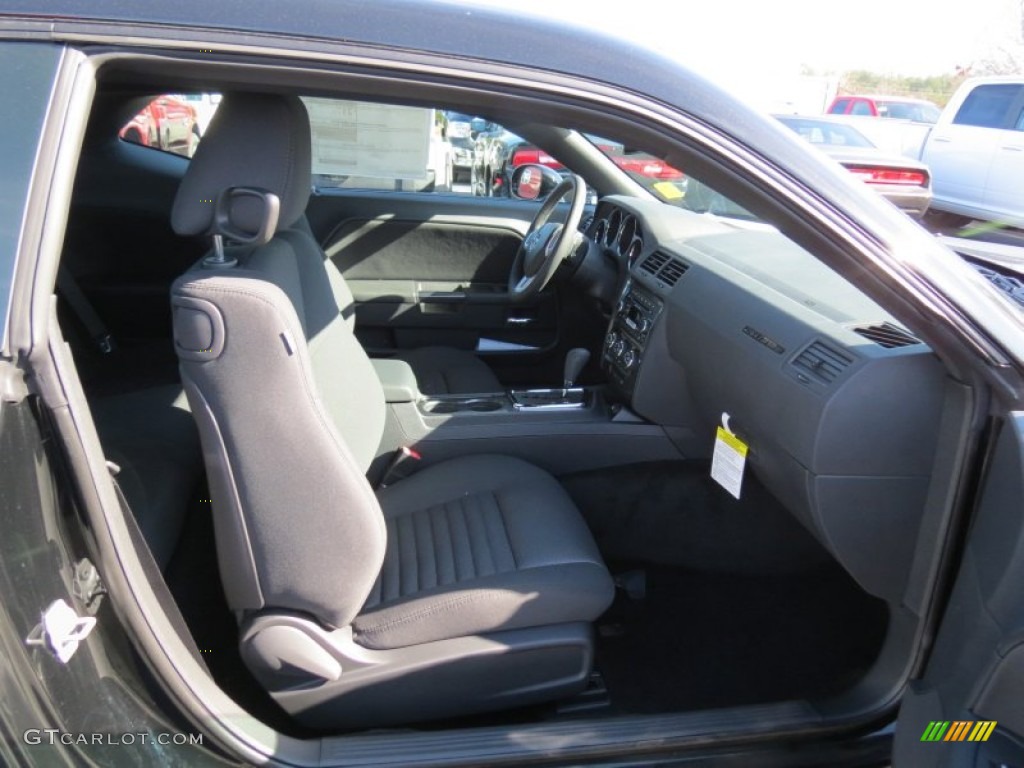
[(936, 88), (1005, 57)]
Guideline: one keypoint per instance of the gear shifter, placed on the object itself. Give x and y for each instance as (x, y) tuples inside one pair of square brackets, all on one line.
[(554, 397), (574, 362)]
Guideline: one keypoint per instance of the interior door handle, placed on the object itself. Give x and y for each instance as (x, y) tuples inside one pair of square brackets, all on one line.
[(521, 320)]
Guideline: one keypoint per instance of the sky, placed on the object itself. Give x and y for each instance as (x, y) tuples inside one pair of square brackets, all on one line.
[(728, 39)]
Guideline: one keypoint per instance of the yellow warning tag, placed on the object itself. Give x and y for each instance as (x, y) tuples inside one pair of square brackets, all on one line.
[(667, 190), (728, 461)]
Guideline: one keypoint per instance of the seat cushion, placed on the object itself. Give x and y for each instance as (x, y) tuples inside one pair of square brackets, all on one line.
[(151, 435), (477, 545), (449, 371)]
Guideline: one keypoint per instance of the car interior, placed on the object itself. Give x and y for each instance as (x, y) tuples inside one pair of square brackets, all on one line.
[(428, 460)]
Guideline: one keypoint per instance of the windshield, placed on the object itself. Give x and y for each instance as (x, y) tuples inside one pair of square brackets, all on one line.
[(920, 112), (667, 183)]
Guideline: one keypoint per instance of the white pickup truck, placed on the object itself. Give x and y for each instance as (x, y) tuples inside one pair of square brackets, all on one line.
[(975, 151)]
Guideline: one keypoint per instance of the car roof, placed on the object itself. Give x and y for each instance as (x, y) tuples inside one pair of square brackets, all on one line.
[(553, 52), (413, 24), (439, 26)]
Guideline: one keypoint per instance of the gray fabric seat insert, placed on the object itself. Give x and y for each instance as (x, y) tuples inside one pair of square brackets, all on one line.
[(480, 544)]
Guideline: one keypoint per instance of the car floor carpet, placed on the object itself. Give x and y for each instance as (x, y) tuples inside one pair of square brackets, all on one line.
[(672, 513), (710, 639)]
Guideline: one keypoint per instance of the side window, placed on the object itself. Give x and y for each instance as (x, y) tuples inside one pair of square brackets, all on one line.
[(860, 107), (365, 145), (171, 122), (840, 107), (987, 105)]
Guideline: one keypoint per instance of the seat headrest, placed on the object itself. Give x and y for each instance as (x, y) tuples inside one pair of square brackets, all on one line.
[(254, 140)]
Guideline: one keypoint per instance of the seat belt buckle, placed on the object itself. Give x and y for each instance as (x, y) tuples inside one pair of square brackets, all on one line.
[(399, 459), (105, 342)]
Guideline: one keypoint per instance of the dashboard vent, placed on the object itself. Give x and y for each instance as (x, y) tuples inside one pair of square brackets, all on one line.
[(887, 335), (665, 268), (654, 262), (672, 271), (822, 361)]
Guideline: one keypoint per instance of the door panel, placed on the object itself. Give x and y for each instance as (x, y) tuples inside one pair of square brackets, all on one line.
[(380, 249), (959, 157), (432, 269), (976, 671), (1003, 195), (1003, 191)]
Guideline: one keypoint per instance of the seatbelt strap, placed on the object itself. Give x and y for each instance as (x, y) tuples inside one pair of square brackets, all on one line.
[(84, 310)]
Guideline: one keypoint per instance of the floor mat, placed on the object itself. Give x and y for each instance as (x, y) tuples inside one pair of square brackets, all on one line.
[(703, 640), (671, 513)]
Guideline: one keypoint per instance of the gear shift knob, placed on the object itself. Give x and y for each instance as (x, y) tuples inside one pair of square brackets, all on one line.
[(575, 359)]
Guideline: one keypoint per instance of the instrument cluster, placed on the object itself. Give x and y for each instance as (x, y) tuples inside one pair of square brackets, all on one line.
[(618, 232)]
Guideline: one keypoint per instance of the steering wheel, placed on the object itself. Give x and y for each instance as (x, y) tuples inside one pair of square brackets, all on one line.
[(547, 244)]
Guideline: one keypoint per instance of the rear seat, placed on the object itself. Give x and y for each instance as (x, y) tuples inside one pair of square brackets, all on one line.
[(151, 435)]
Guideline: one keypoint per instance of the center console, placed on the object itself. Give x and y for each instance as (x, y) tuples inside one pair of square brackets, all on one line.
[(563, 429), (627, 337), (512, 400)]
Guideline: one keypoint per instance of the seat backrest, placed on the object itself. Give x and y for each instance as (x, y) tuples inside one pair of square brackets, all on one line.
[(289, 408)]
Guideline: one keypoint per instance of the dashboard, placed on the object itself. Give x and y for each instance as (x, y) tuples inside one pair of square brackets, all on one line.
[(838, 403)]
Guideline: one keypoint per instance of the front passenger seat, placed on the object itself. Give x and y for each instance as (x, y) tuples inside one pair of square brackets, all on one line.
[(469, 586), (438, 370)]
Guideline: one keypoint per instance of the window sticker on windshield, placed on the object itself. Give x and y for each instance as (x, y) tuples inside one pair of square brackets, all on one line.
[(668, 190), (728, 461)]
